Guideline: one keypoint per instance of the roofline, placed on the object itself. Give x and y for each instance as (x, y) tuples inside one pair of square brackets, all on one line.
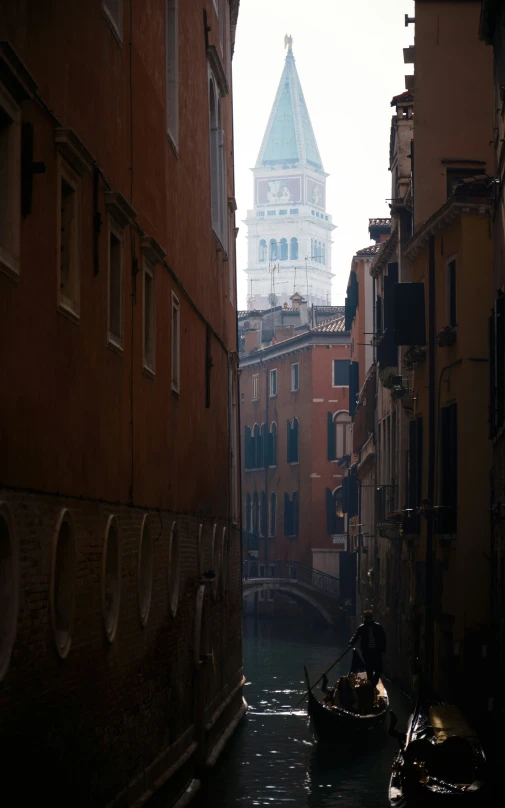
[(454, 208), (295, 343)]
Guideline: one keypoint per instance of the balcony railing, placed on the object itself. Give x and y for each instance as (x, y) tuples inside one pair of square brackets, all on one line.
[(293, 571), (411, 523), (385, 503)]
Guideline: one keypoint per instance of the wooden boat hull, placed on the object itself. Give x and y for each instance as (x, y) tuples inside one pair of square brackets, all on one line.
[(334, 725), (409, 789)]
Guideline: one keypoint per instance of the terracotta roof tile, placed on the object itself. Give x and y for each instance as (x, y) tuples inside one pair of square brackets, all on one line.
[(379, 222), (372, 250), (332, 325)]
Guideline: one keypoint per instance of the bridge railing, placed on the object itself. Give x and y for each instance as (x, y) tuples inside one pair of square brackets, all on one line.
[(293, 571)]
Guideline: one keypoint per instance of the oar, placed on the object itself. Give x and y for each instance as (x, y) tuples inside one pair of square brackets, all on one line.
[(324, 674)]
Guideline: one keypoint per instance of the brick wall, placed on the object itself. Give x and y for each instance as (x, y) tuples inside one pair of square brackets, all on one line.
[(102, 715)]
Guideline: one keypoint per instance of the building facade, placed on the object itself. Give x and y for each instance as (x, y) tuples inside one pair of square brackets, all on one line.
[(492, 22), (289, 230), (426, 566), (121, 665), (296, 428)]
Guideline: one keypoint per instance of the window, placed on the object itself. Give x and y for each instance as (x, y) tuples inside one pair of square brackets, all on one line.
[(176, 345), (145, 570), (255, 514), (62, 592), (10, 183), (261, 447), (248, 513), (340, 373), (294, 249), (255, 386), (456, 175), (273, 383), (9, 586), (291, 514), (272, 445), (295, 511), (217, 164), (173, 570), (342, 435), (68, 240), (115, 285), (273, 249), (111, 578), (113, 10), (271, 212), (335, 520), (293, 210), (263, 514), (172, 70), (295, 377), (262, 251), (148, 347), (284, 249), (256, 443), (323, 256), (260, 213), (248, 448), (451, 293), (292, 441), (273, 514)]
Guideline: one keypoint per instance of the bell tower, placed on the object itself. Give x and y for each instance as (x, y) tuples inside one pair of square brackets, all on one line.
[(289, 230)]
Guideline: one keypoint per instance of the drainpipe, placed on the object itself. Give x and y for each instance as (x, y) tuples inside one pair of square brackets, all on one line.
[(429, 633)]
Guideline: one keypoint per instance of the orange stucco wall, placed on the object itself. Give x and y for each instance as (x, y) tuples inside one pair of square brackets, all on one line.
[(453, 89)]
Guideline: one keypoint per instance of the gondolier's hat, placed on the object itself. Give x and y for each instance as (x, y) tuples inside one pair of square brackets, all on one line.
[(368, 613)]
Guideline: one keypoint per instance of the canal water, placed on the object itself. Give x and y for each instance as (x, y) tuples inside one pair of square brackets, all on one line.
[(272, 760)]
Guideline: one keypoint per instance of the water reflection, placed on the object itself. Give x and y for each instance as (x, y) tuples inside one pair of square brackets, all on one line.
[(272, 759)]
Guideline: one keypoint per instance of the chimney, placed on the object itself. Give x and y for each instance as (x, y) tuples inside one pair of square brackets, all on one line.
[(304, 312), (252, 341), (283, 333), (296, 299)]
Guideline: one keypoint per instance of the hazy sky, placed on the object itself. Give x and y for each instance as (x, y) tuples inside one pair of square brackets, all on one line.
[(350, 61)]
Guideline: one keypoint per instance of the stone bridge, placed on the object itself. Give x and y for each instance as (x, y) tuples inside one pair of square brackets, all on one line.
[(300, 582)]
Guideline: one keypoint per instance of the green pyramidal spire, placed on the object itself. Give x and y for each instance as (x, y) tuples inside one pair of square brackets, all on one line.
[(289, 138)]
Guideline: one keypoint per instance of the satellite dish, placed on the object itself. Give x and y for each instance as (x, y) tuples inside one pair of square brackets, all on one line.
[(272, 299)]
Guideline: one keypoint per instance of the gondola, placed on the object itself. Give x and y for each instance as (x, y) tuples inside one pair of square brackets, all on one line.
[(331, 723), (440, 761)]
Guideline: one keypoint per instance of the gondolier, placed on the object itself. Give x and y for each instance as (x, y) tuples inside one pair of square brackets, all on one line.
[(373, 645)]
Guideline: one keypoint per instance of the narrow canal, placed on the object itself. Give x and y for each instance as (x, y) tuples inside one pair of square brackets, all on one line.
[(271, 760)]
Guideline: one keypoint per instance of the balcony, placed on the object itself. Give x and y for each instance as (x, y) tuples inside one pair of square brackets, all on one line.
[(411, 523), (386, 497)]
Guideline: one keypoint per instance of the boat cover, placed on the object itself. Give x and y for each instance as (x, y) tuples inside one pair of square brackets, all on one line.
[(448, 722)]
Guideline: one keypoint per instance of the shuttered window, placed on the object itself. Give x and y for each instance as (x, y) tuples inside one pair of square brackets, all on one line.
[(350, 496), (353, 386), (340, 373), (291, 514), (378, 315), (288, 516), (292, 441), (335, 519), (272, 446), (331, 436), (263, 514), (273, 514)]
